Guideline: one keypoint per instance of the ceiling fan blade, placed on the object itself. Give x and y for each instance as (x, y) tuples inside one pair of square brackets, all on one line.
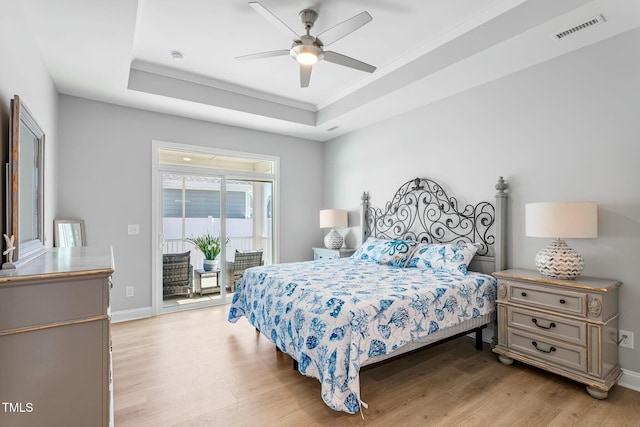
[(305, 75), (260, 55), (274, 20), (337, 32), (347, 61)]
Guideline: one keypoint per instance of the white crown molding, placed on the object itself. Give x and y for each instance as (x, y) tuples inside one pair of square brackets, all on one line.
[(177, 88), (218, 84)]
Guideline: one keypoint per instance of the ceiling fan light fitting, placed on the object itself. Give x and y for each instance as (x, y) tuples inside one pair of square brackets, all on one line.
[(307, 54), (307, 58)]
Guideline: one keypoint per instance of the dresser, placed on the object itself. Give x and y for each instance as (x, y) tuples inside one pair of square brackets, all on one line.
[(324, 253), (55, 343), (568, 327)]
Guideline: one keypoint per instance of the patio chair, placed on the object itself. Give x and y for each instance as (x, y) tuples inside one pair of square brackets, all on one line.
[(242, 261), (177, 274)]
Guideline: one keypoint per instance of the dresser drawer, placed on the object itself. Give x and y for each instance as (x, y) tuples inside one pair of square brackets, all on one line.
[(56, 300), (555, 327), (547, 297), (548, 350)]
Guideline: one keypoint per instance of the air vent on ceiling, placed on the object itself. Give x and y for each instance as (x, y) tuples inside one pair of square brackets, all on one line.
[(596, 20), (332, 128)]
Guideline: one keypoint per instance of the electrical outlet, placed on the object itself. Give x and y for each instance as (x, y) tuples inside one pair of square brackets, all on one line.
[(626, 339), (129, 291), (133, 229)]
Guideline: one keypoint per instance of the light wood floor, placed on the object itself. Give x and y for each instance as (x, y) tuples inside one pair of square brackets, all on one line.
[(196, 369)]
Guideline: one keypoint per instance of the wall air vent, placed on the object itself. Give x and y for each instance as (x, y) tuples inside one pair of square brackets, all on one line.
[(596, 20)]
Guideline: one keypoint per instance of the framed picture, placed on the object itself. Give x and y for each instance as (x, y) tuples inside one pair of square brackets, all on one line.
[(69, 233)]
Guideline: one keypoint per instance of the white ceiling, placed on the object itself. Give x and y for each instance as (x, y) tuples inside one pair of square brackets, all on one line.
[(118, 51)]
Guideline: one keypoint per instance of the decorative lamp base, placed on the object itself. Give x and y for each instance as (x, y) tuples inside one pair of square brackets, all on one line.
[(559, 260), (333, 240)]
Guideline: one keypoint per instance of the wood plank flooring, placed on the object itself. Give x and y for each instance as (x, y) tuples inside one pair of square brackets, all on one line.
[(196, 369)]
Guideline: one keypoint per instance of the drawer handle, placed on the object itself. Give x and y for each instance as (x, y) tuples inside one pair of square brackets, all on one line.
[(551, 350), (524, 294), (562, 301), (551, 325)]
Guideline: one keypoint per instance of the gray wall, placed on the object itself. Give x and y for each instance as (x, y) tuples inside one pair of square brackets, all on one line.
[(567, 130), (105, 179), (23, 73)]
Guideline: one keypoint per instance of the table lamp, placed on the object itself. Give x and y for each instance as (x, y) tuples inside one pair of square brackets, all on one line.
[(560, 220), (333, 218)]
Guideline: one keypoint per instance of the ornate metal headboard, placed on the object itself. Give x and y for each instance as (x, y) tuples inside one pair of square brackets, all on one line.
[(422, 211)]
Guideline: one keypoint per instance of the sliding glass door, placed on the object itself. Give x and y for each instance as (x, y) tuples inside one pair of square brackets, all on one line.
[(232, 207), (191, 207)]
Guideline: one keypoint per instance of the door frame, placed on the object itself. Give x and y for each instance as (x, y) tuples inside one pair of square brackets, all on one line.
[(157, 171)]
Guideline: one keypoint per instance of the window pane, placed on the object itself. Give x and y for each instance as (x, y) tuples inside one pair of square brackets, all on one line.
[(203, 204)]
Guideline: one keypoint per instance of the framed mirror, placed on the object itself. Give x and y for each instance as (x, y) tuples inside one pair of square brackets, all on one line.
[(68, 233), (25, 183)]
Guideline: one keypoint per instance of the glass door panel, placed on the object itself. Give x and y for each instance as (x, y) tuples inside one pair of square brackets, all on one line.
[(191, 208), (249, 222), (249, 226)]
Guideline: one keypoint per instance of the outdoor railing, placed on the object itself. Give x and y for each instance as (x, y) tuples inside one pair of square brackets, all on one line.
[(172, 246)]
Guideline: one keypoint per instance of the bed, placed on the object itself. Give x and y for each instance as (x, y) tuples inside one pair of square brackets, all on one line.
[(421, 276)]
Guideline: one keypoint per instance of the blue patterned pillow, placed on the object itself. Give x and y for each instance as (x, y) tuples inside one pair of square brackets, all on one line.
[(386, 252), (440, 257)]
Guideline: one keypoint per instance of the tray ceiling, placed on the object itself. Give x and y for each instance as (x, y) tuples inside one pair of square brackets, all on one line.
[(119, 51)]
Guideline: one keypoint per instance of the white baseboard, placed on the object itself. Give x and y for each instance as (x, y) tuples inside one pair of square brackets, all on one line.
[(630, 379), (125, 315)]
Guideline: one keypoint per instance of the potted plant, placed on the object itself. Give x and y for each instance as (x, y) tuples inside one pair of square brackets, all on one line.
[(210, 247)]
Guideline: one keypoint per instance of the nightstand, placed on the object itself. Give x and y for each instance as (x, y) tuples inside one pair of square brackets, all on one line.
[(568, 327), (324, 253)]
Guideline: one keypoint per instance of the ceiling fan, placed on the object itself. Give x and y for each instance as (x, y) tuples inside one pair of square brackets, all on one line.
[(307, 49)]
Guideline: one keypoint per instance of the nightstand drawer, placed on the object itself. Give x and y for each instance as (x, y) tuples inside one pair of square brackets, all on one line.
[(555, 327), (547, 297), (326, 254), (548, 350)]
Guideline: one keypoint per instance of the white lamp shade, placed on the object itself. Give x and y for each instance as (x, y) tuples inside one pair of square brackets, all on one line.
[(562, 219), (333, 218)]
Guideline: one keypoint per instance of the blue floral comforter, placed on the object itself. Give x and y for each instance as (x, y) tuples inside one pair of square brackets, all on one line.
[(331, 316)]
